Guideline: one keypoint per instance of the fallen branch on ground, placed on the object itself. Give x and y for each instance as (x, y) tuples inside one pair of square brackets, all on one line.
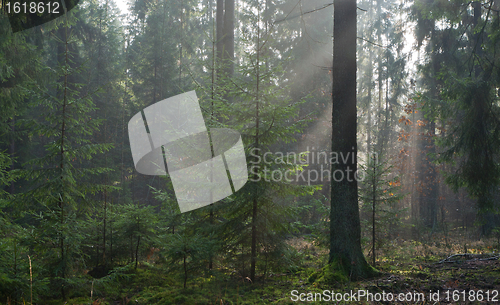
[(468, 258)]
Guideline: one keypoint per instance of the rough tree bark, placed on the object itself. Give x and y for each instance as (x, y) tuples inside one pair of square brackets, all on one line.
[(225, 39), (345, 230), (219, 19), (228, 39)]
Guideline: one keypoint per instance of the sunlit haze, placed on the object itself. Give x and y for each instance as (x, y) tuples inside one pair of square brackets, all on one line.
[(122, 5)]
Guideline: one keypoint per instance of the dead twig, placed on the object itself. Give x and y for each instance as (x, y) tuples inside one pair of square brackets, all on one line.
[(468, 258)]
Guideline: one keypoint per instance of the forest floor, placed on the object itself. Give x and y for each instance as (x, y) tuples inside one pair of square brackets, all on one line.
[(419, 273), (468, 279)]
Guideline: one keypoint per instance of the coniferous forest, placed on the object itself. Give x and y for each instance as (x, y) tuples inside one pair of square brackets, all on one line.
[(370, 131)]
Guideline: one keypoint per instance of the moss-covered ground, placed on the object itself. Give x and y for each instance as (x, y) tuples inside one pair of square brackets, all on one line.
[(406, 267)]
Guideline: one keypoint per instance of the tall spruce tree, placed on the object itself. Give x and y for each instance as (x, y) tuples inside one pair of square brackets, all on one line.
[(462, 65), (61, 177), (345, 227)]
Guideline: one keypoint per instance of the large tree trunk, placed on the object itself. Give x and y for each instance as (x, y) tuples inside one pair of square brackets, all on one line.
[(219, 19), (225, 39), (228, 56), (345, 229)]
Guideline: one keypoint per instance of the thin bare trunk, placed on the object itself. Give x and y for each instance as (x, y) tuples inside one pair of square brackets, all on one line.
[(137, 251), (374, 199), (257, 123), (185, 268)]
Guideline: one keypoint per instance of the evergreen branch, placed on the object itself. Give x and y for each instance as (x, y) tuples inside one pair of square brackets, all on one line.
[(304, 13), (373, 43)]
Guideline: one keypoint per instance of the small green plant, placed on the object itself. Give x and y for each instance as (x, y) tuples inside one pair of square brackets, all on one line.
[(496, 232), (379, 196), (186, 253)]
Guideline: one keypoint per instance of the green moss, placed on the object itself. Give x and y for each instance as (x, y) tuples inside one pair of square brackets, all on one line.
[(369, 271), (313, 277), (73, 301), (331, 274), (180, 299), (336, 273)]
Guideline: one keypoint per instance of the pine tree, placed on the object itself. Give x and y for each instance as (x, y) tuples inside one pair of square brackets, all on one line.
[(102, 48), (462, 61), (12, 264), (249, 223), (20, 60), (137, 225), (379, 195), (60, 177)]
